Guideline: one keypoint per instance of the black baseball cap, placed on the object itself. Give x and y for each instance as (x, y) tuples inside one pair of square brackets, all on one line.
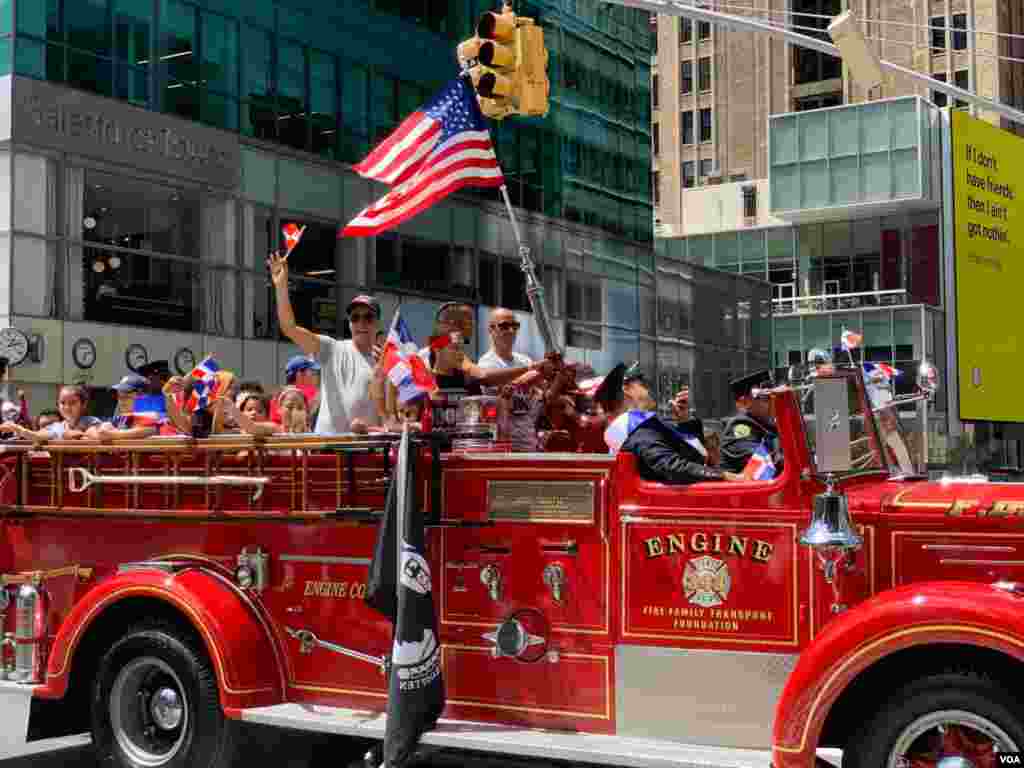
[(741, 387)]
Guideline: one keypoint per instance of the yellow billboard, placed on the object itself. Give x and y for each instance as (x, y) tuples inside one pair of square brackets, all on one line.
[(988, 180)]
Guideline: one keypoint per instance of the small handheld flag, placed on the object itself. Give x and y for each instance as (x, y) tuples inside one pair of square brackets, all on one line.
[(148, 411), (403, 366), (851, 340), (760, 466), (205, 383), (623, 426), (292, 235)]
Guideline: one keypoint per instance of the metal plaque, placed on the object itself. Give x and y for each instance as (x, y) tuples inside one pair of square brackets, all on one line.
[(562, 500), (52, 116), (832, 425)]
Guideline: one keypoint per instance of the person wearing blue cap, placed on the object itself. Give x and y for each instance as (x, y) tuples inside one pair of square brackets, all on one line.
[(347, 365), (303, 371)]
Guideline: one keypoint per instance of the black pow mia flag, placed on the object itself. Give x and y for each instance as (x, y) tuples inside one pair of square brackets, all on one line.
[(400, 588)]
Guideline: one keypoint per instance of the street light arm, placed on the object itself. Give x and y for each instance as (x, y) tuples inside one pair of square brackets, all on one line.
[(743, 24)]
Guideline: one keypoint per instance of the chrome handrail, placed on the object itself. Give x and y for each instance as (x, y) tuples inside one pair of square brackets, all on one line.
[(80, 479)]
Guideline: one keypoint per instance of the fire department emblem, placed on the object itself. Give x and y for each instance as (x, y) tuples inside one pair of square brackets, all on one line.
[(706, 581)]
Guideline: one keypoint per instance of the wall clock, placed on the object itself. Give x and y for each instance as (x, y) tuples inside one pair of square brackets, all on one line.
[(83, 352), (184, 361), (13, 345), (136, 356)]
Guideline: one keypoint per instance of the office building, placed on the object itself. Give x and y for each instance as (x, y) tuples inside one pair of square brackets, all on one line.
[(771, 162), (152, 150)]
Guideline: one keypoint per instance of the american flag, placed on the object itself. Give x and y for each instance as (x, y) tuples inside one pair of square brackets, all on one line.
[(436, 150)]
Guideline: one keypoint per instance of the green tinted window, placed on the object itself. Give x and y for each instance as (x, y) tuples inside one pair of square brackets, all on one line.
[(323, 103), (88, 26), (355, 118), (220, 54)]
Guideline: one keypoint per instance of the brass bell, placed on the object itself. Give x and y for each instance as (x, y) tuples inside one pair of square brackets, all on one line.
[(830, 524)]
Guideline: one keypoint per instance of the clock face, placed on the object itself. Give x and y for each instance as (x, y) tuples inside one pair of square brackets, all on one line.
[(13, 345), (184, 361), (136, 356), (83, 352)]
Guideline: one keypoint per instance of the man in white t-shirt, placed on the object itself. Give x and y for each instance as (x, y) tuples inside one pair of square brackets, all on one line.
[(503, 328), (346, 366)]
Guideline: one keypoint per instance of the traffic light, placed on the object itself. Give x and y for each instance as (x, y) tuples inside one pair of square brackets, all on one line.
[(507, 62)]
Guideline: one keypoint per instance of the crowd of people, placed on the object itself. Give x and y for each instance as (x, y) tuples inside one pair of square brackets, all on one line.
[(340, 386)]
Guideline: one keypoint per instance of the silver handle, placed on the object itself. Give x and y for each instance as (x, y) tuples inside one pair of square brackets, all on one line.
[(554, 578), (308, 641), (80, 479), (490, 577)]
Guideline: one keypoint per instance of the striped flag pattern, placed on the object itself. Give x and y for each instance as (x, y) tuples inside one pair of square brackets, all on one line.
[(403, 366), (436, 150)]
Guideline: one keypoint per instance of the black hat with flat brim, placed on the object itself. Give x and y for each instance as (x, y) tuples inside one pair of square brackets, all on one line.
[(742, 386), (610, 390), (634, 373)]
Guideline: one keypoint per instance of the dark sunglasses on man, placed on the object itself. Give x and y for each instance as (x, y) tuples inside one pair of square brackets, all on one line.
[(506, 325)]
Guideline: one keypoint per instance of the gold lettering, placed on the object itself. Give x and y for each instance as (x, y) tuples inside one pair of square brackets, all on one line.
[(762, 551), (718, 542), (699, 542), (309, 589), (958, 507), (738, 545), (676, 543), (654, 547)]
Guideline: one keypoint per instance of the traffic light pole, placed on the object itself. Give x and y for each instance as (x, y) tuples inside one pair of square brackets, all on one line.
[(534, 288)]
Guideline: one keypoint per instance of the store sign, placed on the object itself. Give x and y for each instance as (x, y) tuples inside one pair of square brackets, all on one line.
[(51, 116), (989, 234)]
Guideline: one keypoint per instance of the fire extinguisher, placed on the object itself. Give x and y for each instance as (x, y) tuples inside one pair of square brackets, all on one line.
[(32, 606)]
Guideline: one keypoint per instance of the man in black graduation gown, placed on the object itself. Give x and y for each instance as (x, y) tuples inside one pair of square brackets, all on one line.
[(752, 425), (664, 454)]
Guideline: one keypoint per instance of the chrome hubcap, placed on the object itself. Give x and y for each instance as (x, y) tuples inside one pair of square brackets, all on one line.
[(149, 712), (166, 709), (950, 739)]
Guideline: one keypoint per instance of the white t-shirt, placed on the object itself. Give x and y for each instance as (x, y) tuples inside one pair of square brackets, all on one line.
[(491, 360), (344, 387)]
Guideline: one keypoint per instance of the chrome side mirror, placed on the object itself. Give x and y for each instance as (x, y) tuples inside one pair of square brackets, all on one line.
[(928, 378)]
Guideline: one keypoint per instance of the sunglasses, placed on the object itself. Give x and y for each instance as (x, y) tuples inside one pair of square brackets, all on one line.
[(362, 318), (506, 326)]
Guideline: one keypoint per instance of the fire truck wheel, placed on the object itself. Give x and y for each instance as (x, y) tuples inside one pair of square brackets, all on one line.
[(155, 704), (956, 716)]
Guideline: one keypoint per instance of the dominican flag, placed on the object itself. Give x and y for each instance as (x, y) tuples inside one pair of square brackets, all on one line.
[(884, 371), (438, 149), (292, 234), (148, 411), (851, 340), (623, 426), (400, 587), (760, 466), (205, 385), (403, 366)]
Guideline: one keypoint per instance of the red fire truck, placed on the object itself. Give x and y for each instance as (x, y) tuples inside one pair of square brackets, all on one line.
[(159, 593)]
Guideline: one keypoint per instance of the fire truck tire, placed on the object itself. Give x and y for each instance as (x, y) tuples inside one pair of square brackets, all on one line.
[(155, 704), (914, 720)]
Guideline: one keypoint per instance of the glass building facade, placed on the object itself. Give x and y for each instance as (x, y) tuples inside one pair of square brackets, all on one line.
[(156, 147)]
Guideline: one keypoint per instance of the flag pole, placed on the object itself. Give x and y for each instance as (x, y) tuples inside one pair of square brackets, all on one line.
[(534, 288)]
